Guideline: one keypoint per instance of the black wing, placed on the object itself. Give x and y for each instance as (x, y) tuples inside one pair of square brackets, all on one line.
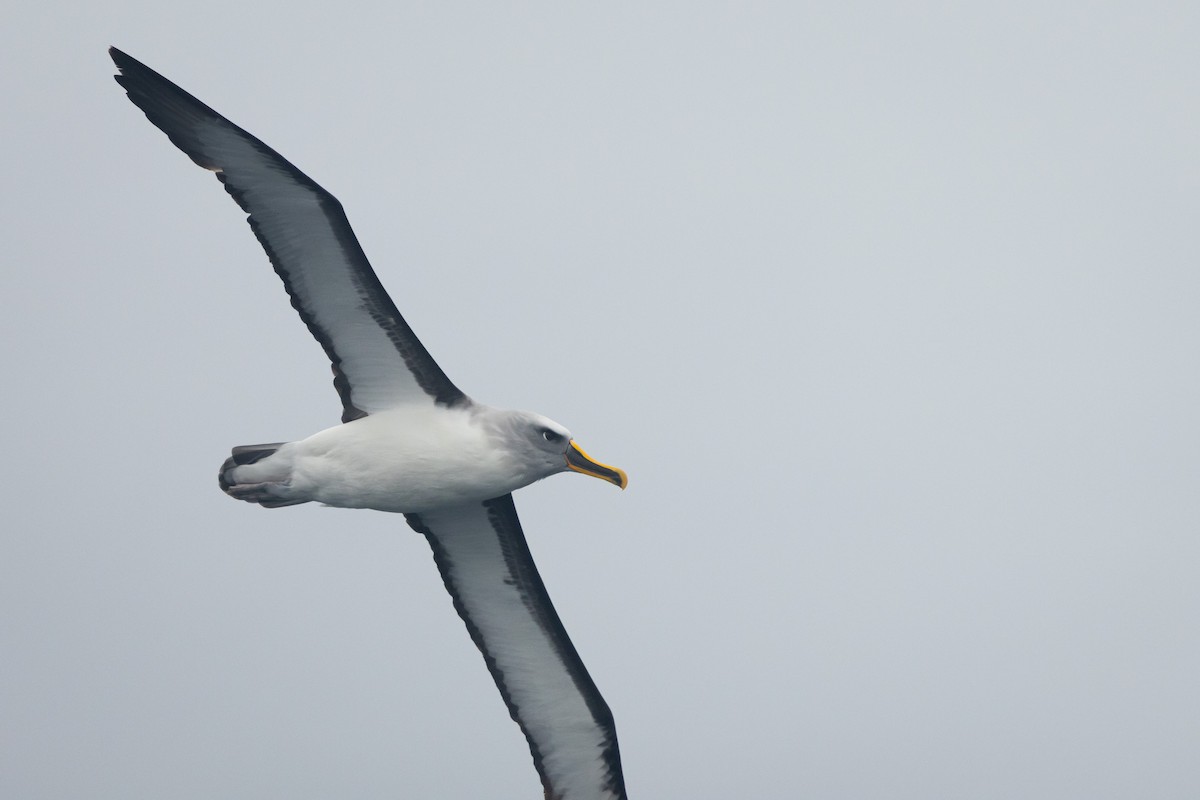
[(481, 552), (378, 362)]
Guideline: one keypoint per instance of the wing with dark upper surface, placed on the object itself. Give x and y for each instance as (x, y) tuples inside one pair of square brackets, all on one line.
[(481, 552), (378, 362)]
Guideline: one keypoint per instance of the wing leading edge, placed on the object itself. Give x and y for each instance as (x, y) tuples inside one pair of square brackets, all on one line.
[(486, 565), (378, 362)]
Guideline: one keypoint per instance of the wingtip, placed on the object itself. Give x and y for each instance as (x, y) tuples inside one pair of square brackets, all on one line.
[(125, 62)]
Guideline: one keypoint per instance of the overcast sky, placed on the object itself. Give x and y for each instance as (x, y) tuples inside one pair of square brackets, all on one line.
[(891, 312)]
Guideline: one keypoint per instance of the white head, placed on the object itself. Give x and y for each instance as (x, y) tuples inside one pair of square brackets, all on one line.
[(543, 447)]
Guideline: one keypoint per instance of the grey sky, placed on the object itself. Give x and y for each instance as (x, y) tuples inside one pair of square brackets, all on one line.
[(889, 311)]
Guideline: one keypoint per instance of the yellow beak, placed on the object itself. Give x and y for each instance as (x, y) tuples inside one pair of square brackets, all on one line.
[(582, 462)]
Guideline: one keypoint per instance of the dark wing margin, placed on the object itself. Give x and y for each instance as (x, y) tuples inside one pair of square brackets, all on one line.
[(486, 565), (378, 362)]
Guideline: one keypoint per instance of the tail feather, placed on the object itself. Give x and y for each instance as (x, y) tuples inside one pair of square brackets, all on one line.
[(250, 453), (266, 485)]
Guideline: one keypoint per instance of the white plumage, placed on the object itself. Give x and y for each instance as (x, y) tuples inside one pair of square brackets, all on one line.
[(410, 441), (409, 459)]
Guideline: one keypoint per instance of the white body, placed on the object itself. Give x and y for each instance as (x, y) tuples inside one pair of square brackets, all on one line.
[(409, 459), (415, 443)]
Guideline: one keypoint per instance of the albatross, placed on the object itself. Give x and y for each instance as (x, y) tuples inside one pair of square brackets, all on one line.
[(409, 442)]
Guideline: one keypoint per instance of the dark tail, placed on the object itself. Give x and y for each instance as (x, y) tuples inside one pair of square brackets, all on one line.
[(263, 488)]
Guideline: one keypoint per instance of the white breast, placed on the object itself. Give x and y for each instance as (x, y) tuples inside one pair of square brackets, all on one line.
[(411, 459)]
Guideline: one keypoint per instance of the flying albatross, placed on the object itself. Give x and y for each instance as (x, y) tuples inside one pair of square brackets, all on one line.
[(410, 442)]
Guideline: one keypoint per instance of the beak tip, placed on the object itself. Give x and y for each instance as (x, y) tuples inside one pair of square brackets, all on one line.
[(580, 461)]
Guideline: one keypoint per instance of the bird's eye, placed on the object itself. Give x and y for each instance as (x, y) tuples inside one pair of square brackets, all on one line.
[(551, 436)]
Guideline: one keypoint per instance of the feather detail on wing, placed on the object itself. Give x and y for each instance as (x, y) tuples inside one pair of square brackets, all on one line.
[(485, 562), (378, 362)]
